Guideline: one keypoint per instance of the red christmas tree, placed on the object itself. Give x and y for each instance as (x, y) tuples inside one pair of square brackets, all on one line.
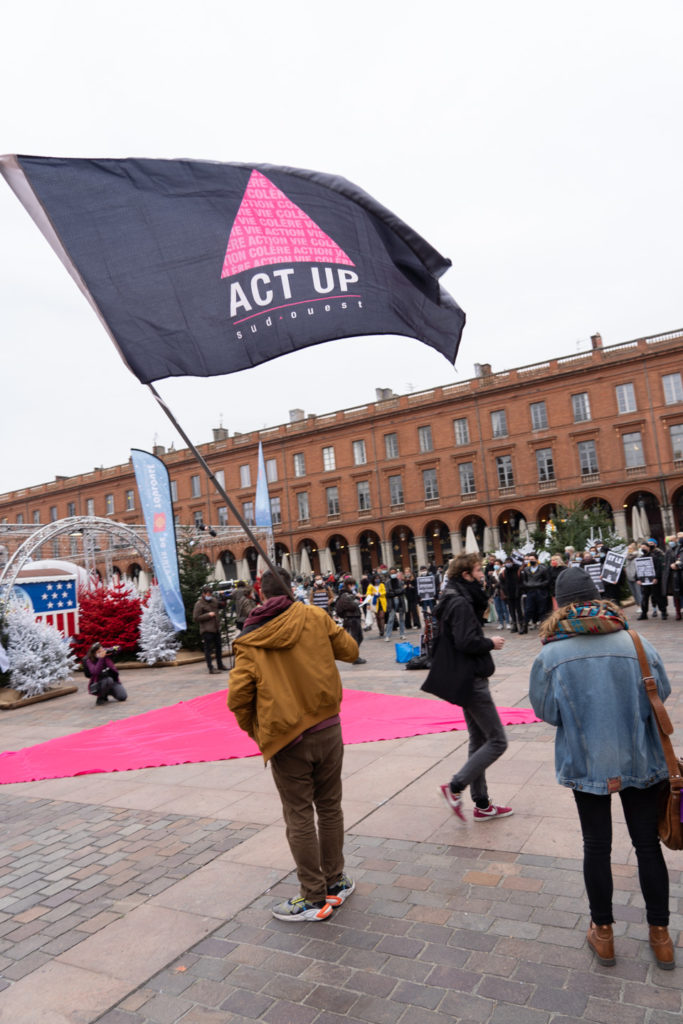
[(110, 616)]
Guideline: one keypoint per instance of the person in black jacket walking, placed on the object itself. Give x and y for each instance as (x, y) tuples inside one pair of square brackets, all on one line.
[(461, 616)]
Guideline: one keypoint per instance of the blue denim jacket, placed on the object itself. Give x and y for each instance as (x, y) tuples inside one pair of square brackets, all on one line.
[(590, 687)]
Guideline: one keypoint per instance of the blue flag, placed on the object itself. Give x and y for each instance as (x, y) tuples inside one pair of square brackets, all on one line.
[(154, 489), (199, 268), (262, 512)]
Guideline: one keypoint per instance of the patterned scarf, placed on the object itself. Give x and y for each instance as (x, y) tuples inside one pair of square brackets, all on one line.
[(590, 618)]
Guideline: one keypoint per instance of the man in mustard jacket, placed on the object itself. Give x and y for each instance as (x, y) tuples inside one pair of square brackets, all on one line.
[(285, 692)]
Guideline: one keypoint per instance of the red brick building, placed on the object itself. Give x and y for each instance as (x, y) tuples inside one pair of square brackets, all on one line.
[(399, 480)]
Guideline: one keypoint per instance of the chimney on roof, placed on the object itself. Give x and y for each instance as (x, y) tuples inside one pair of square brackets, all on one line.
[(383, 394), (220, 434), (159, 450), (482, 369), (296, 415), (596, 341)]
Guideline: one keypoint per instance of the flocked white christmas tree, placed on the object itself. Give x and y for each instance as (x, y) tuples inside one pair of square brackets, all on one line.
[(39, 656), (158, 640)]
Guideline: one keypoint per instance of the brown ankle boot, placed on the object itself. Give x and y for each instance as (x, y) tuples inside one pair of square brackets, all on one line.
[(662, 947), (601, 940)]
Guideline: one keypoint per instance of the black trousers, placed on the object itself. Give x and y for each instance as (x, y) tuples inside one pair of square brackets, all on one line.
[(640, 811), (212, 644)]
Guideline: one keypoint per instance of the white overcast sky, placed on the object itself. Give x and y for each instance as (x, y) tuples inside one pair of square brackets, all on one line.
[(538, 145)]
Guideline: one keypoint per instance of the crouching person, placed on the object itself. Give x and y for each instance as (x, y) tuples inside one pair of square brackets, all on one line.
[(285, 692), (103, 676)]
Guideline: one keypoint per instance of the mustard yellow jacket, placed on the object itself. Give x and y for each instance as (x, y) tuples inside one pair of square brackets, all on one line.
[(285, 678)]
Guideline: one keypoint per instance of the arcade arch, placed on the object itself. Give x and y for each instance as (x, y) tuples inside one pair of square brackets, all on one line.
[(402, 542), (370, 551), (438, 542)]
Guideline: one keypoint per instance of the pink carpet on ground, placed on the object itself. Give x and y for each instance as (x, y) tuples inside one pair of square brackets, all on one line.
[(204, 729)]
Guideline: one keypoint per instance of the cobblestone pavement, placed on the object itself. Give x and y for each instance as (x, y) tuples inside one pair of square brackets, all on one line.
[(144, 897)]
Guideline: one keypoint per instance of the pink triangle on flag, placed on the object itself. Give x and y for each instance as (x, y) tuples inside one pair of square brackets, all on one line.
[(270, 228)]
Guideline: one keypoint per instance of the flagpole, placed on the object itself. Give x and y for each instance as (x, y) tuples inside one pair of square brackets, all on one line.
[(203, 463)]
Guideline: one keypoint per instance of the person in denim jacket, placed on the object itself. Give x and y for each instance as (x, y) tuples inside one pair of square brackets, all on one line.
[(587, 682)]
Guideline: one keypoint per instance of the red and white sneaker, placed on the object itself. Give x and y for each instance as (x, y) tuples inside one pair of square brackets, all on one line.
[(491, 812), (454, 801)]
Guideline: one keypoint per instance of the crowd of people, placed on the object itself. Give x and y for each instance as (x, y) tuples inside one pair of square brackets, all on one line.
[(285, 691)]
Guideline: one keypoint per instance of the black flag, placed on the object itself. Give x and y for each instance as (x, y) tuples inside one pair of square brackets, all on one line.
[(200, 268)]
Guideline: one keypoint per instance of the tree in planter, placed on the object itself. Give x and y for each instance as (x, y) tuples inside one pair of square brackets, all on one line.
[(158, 641), (38, 654), (108, 615), (573, 526), (194, 570)]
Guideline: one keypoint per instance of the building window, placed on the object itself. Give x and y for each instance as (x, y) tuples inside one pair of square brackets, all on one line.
[(466, 471), (130, 501), (198, 519), (626, 398), (275, 511), (20, 518), (271, 471), (396, 490), (363, 492), (53, 514), (673, 390), (431, 487), (302, 506), (588, 458), (633, 450), (329, 461), (332, 497), (299, 464), (359, 454), (90, 507), (545, 466), (55, 548), (245, 476), (71, 508), (248, 512), (539, 416), (391, 446), (461, 431), (222, 515), (174, 490), (424, 436), (499, 423), (676, 434), (220, 477), (504, 470), (581, 407), (195, 486), (109, 504), (36, 515)]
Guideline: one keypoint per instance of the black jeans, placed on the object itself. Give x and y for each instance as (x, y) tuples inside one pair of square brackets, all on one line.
[(212, 644), (640, 811), (487, 743)]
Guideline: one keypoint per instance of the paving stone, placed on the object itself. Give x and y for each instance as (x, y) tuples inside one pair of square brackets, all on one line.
[(614, 1013), (290, 1013), (165, 1009), (249, 1004), (559, 1000), (428, 996)]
